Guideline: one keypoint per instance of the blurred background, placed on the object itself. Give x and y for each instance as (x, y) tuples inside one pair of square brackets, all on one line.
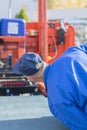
[(74, 11)]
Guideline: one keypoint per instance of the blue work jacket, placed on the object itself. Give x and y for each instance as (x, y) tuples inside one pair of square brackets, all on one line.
[(66, 84)]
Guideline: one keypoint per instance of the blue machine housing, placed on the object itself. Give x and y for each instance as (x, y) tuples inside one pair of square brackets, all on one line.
[(13, 27)]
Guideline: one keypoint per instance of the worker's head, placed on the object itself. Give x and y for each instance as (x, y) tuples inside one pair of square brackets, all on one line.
[(30, 65)]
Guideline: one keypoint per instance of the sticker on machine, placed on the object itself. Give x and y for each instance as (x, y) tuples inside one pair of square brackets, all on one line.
[(12, 28)]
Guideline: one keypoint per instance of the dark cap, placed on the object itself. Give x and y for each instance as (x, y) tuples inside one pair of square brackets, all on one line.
[(29, 64)]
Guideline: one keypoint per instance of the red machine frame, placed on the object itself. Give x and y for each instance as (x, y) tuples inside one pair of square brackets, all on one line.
[(43, 38)]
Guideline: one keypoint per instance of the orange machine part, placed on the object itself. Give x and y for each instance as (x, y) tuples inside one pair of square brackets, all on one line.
[(18, 45), (55, 49)]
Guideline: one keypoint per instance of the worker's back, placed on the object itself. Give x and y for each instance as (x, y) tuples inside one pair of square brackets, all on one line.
[(66, 81)]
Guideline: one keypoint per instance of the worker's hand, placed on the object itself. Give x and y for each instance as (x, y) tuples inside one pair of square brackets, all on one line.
[(41, 87)]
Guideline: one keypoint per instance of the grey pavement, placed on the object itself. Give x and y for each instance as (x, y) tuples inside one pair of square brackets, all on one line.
[(27, 113)]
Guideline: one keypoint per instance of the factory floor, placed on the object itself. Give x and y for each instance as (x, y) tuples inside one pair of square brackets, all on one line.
[(27, 113)]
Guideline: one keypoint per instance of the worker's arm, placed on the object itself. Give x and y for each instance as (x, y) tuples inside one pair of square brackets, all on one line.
[(42, 88)]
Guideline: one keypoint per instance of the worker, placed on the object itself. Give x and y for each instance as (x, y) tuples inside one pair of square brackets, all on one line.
[(66, 83)]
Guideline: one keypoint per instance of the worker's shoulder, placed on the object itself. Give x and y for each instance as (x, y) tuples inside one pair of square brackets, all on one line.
[(76, 50), (72, 53), (80, 48)]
